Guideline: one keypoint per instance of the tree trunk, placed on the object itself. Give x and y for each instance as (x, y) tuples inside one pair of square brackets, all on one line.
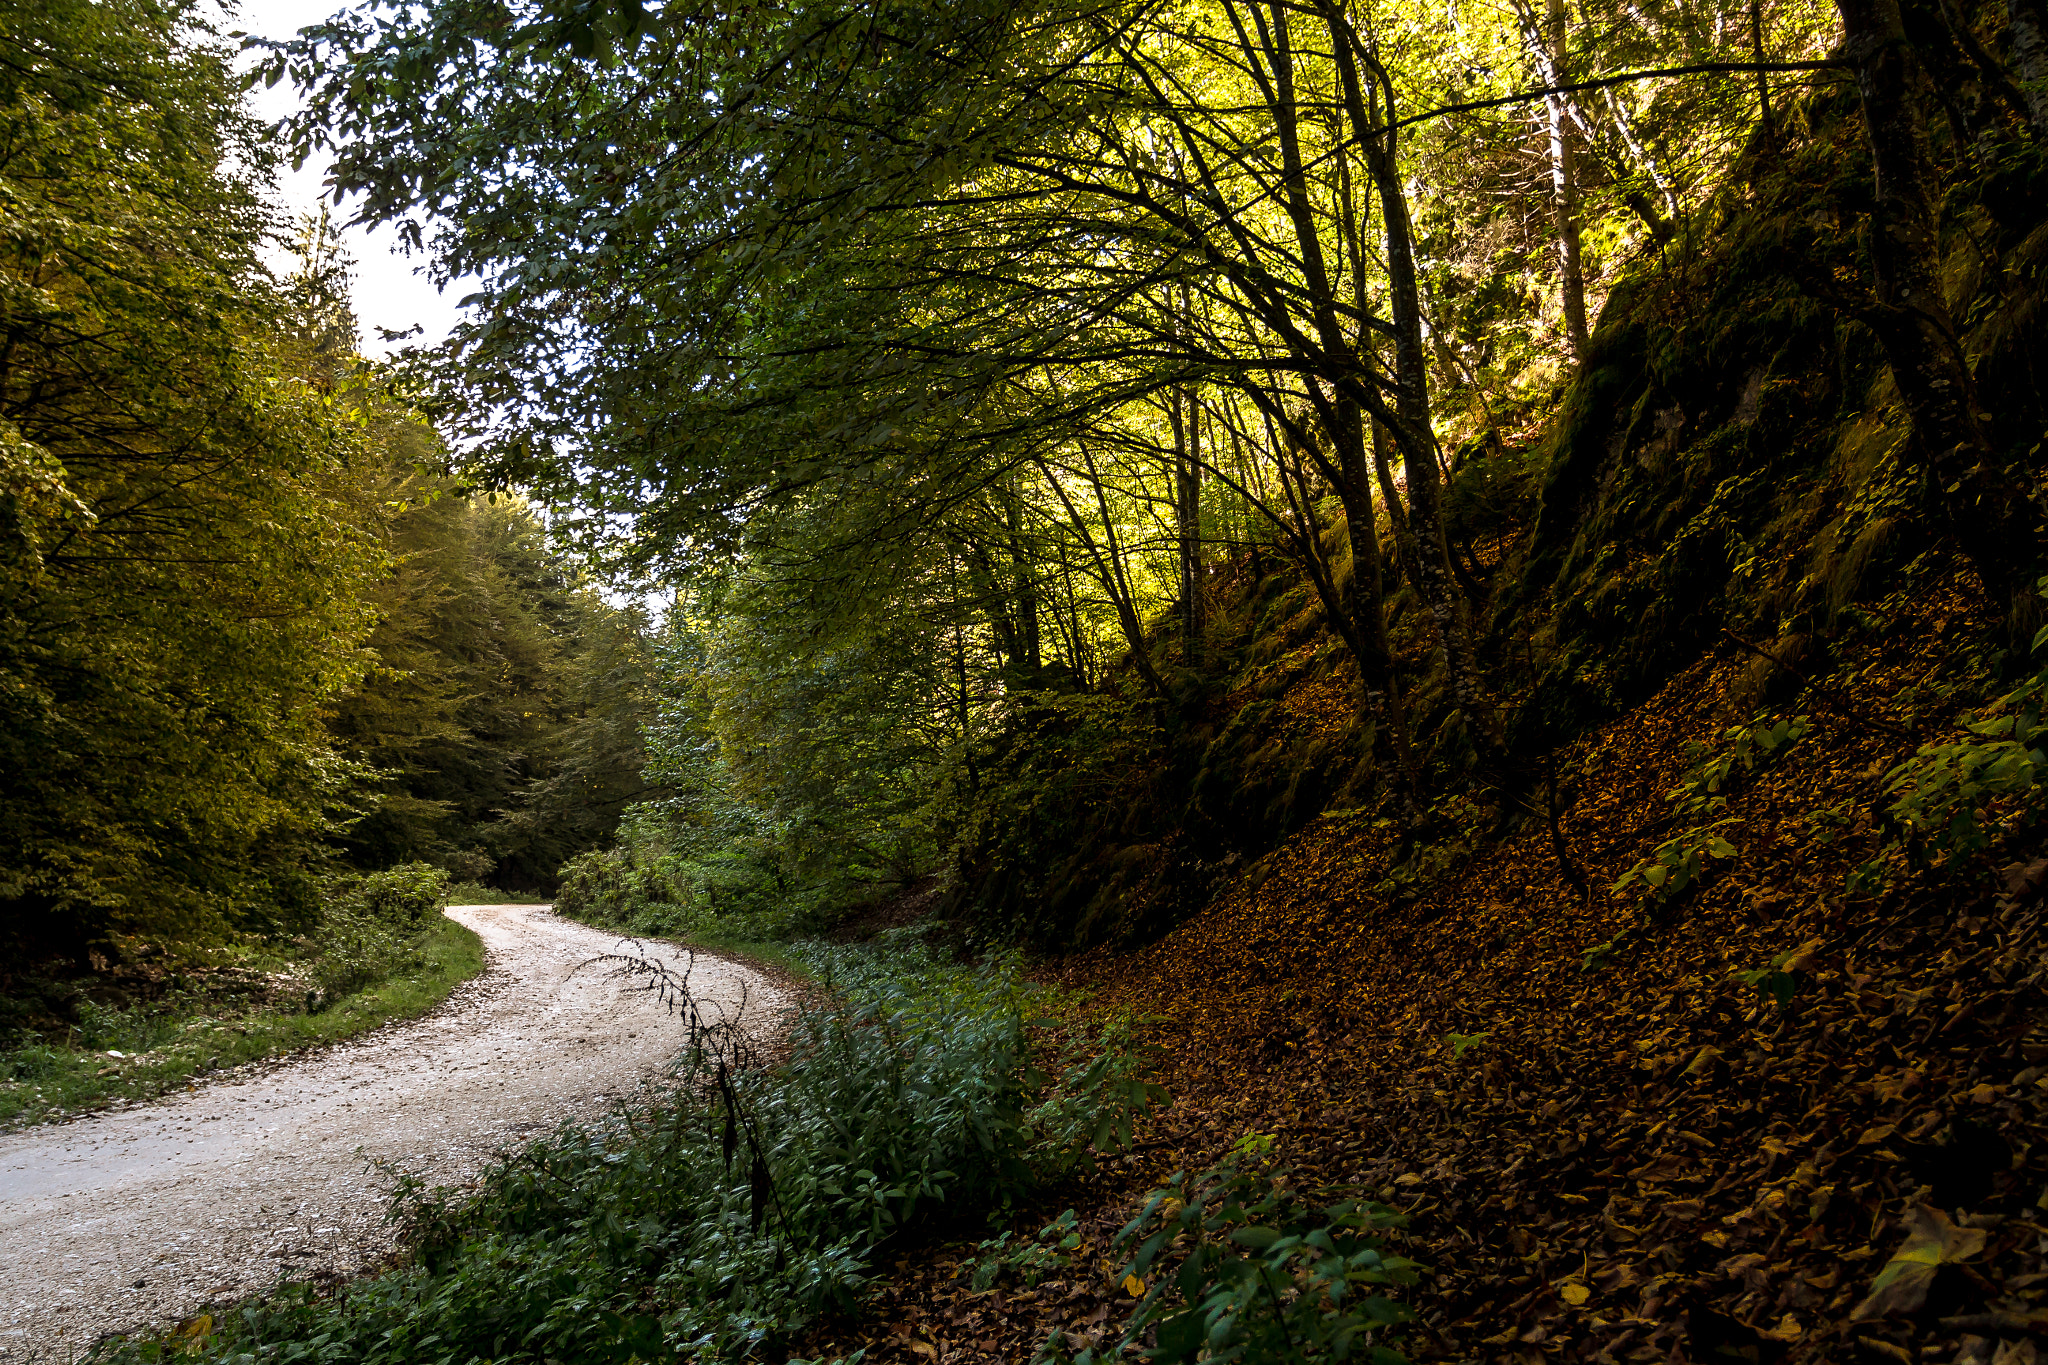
[(1368, 584), (1109, 570), (1763, 83), (1383, 468), (1187, 515), (1410, 425), (1966, 485), (994, 603), (1564, 179), (1030, 651)]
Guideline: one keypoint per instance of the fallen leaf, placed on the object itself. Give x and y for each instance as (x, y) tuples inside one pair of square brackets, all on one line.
[(1575, 1294), (1134, 1286), (1931, 1242), (1736, 1266), (1788, 1329)]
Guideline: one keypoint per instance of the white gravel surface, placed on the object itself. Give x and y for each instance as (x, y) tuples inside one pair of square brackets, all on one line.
[(133, 1218)]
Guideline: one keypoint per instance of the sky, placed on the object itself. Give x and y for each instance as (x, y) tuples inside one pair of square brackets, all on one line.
[(391, 289)]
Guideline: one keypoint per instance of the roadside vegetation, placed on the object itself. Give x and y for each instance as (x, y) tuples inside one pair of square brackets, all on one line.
[(755, 1202), (474, 893), (384, 952)]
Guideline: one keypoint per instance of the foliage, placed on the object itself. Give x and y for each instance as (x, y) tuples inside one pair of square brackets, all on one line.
[(1679, 861), (1029, 1260), (474, 893), (1443, 841), (1060, 774), (501, 725), (1263, 1274), (183, 552), (211, 511), (1744, 749), (1942, 795), (1780, 979), (739, 891), (722, 1221), (371, 929)]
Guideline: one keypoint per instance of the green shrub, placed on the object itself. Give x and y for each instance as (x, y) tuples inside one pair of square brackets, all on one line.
[(1263, 1273), (731, 893), (101, 1027), (1678, 862), (404, 897), (1943, 797), (476, 893), (371, 928)]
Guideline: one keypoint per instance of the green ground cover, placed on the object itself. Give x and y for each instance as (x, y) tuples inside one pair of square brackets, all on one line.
[(725, 1219), (112, 1055), (476, 893)]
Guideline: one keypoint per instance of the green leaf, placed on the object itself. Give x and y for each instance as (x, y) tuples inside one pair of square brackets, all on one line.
[(1181, 1336)]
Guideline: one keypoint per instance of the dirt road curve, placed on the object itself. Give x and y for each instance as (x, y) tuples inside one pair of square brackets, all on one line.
[(131, 1218)]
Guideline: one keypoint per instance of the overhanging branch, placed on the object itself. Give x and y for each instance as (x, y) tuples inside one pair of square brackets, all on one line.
[(1624, 78)]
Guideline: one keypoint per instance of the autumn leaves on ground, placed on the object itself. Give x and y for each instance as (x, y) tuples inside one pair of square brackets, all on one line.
[(1777, 1122)]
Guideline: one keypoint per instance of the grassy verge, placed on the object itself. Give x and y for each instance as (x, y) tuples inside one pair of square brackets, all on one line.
[(775, 957), (475, 893), (168, 1049)]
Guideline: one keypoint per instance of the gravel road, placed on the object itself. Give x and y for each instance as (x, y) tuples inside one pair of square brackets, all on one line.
[(133, 1218)]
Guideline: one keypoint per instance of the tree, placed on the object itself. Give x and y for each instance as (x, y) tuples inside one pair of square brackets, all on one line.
[(185, 550), (896, 258), (499, 729)]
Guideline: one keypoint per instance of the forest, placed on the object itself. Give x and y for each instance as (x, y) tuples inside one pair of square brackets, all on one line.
[(1392, 651)]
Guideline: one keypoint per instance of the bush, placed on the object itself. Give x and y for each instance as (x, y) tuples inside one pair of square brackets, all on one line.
[(371, 927), (1263, 1274), (732, 893), (722, 1222), (404, 897)]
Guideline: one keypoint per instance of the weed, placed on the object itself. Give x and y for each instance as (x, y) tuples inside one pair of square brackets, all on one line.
[(1263, 1273), (1028, 1261), (1679, 862), (1462, 1043)]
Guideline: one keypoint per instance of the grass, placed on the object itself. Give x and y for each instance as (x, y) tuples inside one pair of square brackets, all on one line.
[(475, 893), (166, 1050), (772, 954)]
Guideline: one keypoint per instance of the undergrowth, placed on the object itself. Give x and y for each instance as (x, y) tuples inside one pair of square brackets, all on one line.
[(476, 893), (718, 1224)]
